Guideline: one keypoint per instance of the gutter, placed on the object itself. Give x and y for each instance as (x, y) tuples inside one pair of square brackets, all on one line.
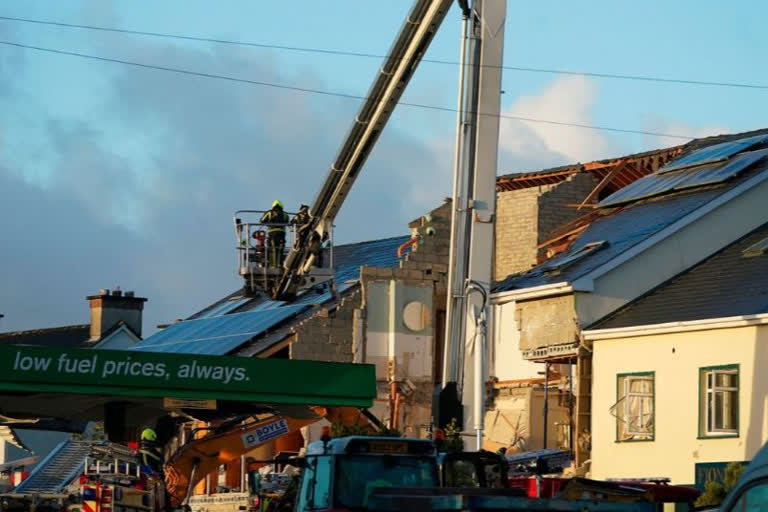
[(533, 292), (707, 324)]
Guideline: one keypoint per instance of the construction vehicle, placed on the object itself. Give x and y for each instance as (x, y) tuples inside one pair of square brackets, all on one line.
[(227, 444), (397, 474), (340, 474)]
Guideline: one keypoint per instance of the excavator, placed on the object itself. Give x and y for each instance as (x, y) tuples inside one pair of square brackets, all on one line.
[(228, 442)]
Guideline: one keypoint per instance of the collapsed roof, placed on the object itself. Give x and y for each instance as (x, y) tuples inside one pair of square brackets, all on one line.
[(708, 169)]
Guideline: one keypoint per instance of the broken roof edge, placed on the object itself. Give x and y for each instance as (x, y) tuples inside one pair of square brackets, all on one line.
[(585, 282), (561, 172), (564, 171), (269, 339)]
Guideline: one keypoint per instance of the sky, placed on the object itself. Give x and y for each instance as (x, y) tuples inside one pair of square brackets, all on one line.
[(112, 175)]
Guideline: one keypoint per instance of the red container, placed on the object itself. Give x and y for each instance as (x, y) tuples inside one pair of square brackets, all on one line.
[(549, 487)]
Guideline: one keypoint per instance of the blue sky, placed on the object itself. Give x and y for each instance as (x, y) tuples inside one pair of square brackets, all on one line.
[(115, 175)]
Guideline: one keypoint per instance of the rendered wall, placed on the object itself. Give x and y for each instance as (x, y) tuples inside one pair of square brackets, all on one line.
[(676, 358)]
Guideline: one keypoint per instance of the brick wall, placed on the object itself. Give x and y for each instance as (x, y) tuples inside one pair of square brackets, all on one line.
[(525, 218), (516, 231)]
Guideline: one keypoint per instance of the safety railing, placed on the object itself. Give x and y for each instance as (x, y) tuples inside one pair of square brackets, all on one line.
[(263, 246)]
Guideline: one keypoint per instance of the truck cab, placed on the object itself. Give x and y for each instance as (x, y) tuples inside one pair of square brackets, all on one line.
[(340, 474), (483, 469)]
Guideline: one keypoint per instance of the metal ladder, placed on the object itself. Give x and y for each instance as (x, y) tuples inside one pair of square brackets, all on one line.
[(57, 470)]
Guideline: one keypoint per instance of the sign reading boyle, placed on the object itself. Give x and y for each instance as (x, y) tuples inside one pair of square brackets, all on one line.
[(265, 433)]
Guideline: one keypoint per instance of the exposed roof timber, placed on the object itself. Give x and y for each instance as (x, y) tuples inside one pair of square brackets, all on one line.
[(642, 164), (564, 235), (603, 183)]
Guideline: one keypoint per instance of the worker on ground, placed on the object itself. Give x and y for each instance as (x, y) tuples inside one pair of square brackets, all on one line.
[(149, 451), (276, 220)]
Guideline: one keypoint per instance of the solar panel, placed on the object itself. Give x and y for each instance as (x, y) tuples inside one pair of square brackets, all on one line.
[(218, 335), (713, 154), (226, 307), (656, 184)]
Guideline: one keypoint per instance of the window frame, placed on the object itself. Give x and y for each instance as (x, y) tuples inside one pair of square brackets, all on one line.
[(705, 402), (628, 377)]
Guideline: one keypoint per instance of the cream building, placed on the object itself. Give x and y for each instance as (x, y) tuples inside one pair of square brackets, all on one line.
[(680, 376)]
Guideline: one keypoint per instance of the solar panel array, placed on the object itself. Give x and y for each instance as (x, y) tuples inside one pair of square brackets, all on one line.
[(713, 154), (217, 331), (656, 184), (226, 307), (217, 335)]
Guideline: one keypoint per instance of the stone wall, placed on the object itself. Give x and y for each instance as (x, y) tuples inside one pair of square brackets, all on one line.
[(328, 336)]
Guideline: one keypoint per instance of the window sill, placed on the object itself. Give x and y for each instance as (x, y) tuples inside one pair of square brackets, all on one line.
[(634, 441), (718, 436)]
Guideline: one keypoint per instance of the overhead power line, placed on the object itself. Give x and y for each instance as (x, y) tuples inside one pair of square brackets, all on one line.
[(644, 78), (328, 93)]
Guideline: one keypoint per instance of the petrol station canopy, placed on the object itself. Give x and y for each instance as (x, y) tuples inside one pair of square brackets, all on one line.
[(80, 384)]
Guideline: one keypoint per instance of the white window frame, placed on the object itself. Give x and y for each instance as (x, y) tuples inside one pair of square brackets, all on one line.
[(711, 389)]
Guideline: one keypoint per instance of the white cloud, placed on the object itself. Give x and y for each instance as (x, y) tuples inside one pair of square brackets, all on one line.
[(673, 127), (526, 146)]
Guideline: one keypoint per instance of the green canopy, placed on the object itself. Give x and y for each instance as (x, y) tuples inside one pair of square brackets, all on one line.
[(77, 383)]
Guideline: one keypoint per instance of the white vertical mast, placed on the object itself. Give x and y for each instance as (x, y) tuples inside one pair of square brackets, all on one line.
[(474, 204)]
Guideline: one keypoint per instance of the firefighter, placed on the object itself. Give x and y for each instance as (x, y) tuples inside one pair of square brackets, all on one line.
[(276, 219), (149, 450), (302, 218)]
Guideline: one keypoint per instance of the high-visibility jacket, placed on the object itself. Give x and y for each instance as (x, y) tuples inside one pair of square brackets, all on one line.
[(278, 217)]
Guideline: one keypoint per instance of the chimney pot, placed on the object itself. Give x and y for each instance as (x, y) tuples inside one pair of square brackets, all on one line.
[(117, 293), (129, 293), (104, 291)]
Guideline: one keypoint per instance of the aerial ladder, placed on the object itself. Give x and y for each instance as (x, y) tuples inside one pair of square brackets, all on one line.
[(298, 271), (474, 193)]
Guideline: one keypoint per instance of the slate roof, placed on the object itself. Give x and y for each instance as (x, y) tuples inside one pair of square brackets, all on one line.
[(725, 284), (622, 228), (67, 336), (211, 332)]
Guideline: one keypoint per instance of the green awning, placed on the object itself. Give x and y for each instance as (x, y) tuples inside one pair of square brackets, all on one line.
[(112, 373)]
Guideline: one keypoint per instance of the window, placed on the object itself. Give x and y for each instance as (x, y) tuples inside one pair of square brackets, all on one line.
[(719, 401), (358, 475), (754, 499), (634, 407), (315, 484)]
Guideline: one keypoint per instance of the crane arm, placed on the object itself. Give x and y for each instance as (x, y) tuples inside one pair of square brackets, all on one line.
[(423, 21)]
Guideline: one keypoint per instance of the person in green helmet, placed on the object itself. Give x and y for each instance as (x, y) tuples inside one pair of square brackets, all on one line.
[(149, 450), (276, 220)]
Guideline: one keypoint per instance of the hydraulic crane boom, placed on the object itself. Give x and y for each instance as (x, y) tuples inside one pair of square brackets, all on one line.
[(423, 21)]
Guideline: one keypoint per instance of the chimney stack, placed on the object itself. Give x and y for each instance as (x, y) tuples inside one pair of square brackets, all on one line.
[(107, 309)]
